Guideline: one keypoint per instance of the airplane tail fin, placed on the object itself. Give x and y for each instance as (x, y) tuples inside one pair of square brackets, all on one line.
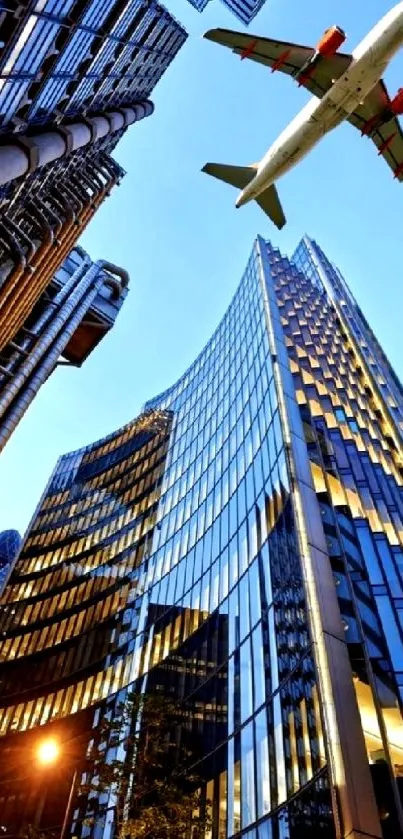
[(240, 176)]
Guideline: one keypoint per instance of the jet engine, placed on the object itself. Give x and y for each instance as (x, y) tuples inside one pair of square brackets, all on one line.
[(330, 41), (328, 45), (396, 104)]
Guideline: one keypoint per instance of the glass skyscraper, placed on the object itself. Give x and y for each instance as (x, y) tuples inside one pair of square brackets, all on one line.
[(63, 58), (244, 10), (10, 541), (239, 548)]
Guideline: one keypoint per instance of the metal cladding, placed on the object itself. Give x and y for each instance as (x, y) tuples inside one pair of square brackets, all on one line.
[(35, 352), (75, 75), (68, 58), (10, 541), (27, 154), (238, 548), (41, 225), (244, 10)]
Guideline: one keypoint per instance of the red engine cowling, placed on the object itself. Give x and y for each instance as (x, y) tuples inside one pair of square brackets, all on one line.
[(397, 103), (330, 41)]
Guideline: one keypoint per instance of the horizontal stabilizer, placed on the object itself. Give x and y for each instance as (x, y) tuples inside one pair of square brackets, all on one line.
[(238, 176), (270, 204)]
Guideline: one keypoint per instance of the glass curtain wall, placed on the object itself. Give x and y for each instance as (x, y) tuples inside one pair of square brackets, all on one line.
[(203, 552)]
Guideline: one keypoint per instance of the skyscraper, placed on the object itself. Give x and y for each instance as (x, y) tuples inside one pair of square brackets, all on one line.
[(74, 312), (238, 547), (10, 541), (75, 72), (69, 58), (244, 10), (74, 75)]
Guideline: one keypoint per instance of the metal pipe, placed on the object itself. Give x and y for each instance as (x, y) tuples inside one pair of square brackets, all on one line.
[(67, 813), (45, 356), (115, 269), (94, 277), (76, 201), (58, 219), (92, 171), (16, 159), (43, 221), (19, 295), (31, 245), (44, 343), (76, 180), (61, 201), (61, 296), (49, 146), (109, 164), (15, 249), (54, 304), (86, 180), (17, 299)]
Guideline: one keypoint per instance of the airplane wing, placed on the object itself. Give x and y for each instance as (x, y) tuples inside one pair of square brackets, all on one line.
[(285, 57), (388, 137)]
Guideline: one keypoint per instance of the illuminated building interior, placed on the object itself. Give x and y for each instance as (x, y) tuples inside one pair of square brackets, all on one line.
[(237, 548)]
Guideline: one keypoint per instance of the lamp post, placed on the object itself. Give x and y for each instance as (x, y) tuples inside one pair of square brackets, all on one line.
[(68, 807), (47, 753)]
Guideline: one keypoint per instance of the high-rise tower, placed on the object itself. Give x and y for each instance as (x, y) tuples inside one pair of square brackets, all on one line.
[(244, 10), (75, 58), (10, 541), (75, 74), (239, 548)]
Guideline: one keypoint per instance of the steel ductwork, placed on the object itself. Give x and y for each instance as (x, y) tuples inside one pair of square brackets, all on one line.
[(27, 154)]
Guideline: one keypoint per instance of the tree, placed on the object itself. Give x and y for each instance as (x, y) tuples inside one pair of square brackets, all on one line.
[(139, 760)]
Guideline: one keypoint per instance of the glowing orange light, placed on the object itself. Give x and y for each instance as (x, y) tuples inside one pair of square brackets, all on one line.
[(48, 751)]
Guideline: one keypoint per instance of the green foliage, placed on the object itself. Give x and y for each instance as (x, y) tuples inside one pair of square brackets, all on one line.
[(155, 797)]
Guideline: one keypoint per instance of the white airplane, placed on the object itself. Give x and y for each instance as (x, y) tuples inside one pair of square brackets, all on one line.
[(348, 87)]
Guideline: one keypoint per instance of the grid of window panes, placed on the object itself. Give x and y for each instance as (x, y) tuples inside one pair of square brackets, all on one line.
[(347, 407), (209, 594), (70, 611), (227, 539), (10, 541), (311, 258), (244, 10), (66, 57), (200, 5)]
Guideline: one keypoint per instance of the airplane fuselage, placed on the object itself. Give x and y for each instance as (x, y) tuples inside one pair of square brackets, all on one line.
[(318, 117)]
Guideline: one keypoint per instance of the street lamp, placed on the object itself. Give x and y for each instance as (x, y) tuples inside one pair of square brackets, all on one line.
[(48, 751)]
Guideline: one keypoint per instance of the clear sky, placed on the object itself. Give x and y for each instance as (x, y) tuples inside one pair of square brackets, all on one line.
[(184, 244)]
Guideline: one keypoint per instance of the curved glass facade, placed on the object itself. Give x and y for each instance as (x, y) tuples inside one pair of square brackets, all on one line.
[(190, 553)]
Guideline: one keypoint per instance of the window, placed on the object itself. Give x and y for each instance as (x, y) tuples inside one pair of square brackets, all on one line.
[(340, 414)]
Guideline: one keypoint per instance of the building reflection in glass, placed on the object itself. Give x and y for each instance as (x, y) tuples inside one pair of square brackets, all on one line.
[(236, 549)]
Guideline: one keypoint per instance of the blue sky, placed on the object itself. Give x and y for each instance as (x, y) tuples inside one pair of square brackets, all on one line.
[(184, 244)]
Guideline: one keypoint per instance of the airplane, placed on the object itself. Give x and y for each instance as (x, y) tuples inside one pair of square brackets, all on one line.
[(349, 87)]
